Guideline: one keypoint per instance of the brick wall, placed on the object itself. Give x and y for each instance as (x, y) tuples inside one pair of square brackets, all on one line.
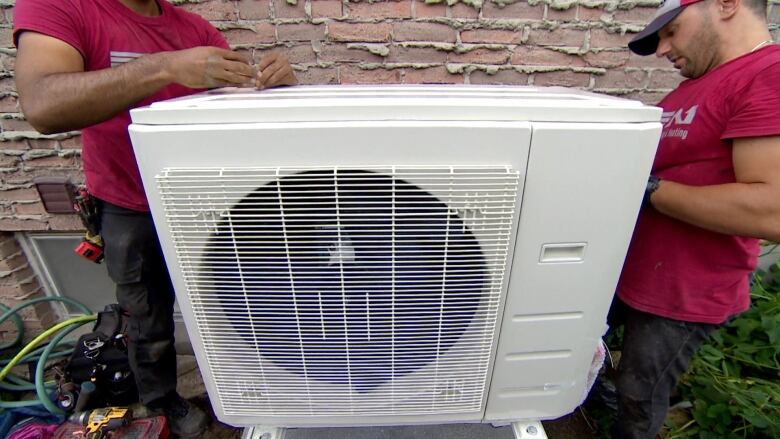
[(575, 43), (18, 283)]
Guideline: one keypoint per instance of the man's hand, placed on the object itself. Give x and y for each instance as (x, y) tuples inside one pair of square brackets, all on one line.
[(274, 70), (208, 67)]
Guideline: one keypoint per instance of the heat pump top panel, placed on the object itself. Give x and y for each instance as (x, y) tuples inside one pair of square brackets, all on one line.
[(394, 103)]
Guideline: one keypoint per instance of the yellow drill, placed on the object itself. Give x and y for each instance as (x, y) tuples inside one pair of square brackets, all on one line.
[(100, 421)]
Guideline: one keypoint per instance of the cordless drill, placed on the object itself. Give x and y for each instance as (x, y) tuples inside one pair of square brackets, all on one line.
[(91, 247), (100, 421)]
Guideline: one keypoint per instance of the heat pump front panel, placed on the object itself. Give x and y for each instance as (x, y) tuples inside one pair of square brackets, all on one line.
[(362, 288)]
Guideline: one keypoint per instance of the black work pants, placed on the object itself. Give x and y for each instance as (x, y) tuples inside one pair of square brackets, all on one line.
[(143, 290), (656, 352)]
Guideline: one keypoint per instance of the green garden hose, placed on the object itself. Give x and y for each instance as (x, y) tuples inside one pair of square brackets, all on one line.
[(32, 352)]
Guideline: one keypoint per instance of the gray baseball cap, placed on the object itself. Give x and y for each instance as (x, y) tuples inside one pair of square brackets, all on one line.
[(646, 42)]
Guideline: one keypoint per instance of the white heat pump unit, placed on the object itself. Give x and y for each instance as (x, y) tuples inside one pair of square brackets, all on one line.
[(394, 255)]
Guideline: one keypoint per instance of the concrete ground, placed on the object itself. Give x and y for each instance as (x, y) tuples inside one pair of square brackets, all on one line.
[(190, 386)]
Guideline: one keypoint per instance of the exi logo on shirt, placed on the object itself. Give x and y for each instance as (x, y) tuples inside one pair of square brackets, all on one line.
[(118, 58), (673, 121)]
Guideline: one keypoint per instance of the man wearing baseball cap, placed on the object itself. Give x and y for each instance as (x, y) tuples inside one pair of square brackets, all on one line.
[(713, 193)]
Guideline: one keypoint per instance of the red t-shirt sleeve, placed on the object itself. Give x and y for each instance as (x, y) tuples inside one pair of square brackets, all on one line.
[(215, 38), (60, 19), (755, 111)]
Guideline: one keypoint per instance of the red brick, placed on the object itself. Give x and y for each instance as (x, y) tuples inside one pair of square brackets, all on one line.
[(262, 33), (318, 76), (519, 10), (622, 79), (9, 104), (6, 37), (300, 32), (8, 62), (52, 162), (8, 15), (400, 54), (502, 77), (387, 9), (295, 54), (17, 125), (607, 59), (650, 61), (65, 223), (664, 80), (462, 10), (282, 9), (13, 263), (254, 9), (7, 84), (341, 53), (44, 144), (773, 14), (8, 161), (23, 274), (601, 38), (411, 31), (8, 245), (15, 224), (29, 209), (562, 79), (326, 8), (481, 56), (433, 75), (585, 13), (568, 14), (217, 10), (26, 290), (366, 32), (24, 194), (354, 75), (539, 56), (14, 144), (301, 54), (26, 176), (71, 143), (491, 36), (637, 14), (557, 37), (427, 10)]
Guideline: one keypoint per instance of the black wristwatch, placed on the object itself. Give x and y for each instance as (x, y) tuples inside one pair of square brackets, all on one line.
[(653, 183)]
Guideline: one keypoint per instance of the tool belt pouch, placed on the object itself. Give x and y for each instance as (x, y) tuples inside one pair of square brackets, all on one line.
[(101, 357)]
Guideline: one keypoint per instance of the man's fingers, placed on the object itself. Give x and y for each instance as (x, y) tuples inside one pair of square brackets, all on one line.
[(239, 68), (267, 60), (230, 78), (266, 74), (278, 77), (232, 55)]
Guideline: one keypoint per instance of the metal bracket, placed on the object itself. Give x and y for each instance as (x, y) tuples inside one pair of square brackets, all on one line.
[(264, 432), (528, 430)]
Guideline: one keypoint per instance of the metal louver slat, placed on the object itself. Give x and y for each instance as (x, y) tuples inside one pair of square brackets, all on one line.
[(329, 292)]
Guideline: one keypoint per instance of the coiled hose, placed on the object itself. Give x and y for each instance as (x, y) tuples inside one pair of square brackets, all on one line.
[(33, 353)]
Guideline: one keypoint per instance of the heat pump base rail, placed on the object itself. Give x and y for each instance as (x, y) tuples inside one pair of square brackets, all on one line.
[(521, 430), (264, 432), (528, 430)]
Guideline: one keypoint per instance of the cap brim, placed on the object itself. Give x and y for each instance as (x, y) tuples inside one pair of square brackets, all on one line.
[(646, 42)]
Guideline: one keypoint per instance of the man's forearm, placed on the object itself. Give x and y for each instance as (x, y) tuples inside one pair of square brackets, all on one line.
[(742, 209), (71, 101)]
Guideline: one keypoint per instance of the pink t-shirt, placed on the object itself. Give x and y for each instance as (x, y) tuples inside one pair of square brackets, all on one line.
[(677, 270), (107, 34)]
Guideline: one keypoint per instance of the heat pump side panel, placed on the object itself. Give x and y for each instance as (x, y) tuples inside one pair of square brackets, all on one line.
[(583, 190), (318, 145)]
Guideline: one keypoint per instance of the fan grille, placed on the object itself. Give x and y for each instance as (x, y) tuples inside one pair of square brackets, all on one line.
[(332, 292)]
